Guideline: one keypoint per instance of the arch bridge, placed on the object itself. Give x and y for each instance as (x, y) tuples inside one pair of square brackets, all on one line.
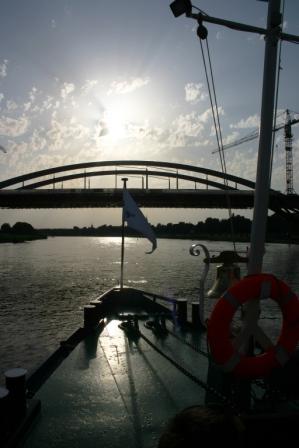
[(206, 188)]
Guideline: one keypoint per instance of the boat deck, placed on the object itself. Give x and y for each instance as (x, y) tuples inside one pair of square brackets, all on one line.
[(115, 390), (115, 384)]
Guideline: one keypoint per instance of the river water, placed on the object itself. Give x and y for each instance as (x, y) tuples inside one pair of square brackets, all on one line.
[(46, 283)]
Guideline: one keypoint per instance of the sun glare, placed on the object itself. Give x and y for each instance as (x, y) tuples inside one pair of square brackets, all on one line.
[(119, 118), (116, 124)]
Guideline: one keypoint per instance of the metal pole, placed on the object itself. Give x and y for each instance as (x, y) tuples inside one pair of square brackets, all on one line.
[(260, 213), (124, 179)]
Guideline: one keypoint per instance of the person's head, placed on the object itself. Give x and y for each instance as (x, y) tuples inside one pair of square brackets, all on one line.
[(200, 426)]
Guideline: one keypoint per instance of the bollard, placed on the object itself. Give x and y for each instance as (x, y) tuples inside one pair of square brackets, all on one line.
[(95, 303), (99, 308), (182, 310), (195, 314), (16, 384), (90, 316)]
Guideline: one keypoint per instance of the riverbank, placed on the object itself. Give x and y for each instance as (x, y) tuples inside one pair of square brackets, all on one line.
[(116, 232), (10, 238), (213, 229)]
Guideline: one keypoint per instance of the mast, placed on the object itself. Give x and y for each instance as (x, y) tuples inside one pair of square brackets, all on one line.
[(124, 179), (263, 175)]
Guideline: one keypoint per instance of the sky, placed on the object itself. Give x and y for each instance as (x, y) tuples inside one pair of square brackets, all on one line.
[(95, 80)]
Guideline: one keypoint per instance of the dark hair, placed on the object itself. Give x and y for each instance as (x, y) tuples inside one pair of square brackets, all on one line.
[(202, 426)]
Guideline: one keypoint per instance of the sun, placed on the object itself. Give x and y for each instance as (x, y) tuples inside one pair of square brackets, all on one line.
[(116, 124), (120, 120), (115, 121)]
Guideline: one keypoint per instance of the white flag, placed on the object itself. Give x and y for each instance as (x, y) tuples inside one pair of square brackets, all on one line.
[(136, 220)]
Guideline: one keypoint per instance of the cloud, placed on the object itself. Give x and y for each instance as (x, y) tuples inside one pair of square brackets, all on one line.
[(231, 138), (207, 114), (53, 23), (123, 87), (252, 121), (3, 68), (243, 164), (189, 125), (194, 93), (33, 105), (32, 94), (11, 105), (65, 135), (189, 130), (68, 87), (144, 131), (185, 130), (12, 127), (37, 141), (89, 85)]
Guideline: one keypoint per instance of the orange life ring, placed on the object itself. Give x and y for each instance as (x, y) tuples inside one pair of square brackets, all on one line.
[(259, 286)]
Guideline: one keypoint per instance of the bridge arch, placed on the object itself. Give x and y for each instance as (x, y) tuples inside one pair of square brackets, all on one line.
[(125, 172), (178, 167)]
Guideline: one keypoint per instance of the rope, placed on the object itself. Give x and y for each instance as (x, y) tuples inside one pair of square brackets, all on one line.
[(189, 375), (217, 126), (217, 113), (189, 344)]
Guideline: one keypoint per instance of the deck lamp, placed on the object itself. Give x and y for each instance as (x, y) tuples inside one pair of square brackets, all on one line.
[(179, 7)]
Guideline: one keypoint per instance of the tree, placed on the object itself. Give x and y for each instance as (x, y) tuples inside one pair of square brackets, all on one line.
[(23, 228), (5, 228)]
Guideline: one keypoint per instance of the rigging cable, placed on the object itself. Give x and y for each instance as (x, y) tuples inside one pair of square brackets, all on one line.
[(215, 111), (200, 10)]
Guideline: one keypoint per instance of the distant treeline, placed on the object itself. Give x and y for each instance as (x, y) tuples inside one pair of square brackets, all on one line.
[(211, 228), (19, 232)]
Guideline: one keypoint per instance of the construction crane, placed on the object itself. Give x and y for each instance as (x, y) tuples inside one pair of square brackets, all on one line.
[(288, 137)]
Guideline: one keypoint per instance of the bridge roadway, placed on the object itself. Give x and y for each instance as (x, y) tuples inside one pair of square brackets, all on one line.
[(155, 198)]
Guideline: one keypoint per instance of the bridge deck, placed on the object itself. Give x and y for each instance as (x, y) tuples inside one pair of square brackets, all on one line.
[(155, 198), (81, 198)]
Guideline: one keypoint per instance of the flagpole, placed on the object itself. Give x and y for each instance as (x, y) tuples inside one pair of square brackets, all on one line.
[(124, 179)]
